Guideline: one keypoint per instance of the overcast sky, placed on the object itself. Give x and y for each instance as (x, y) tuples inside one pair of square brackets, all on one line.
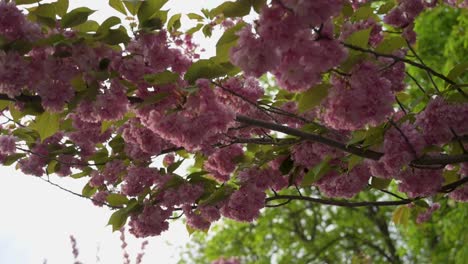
[(36, 218)]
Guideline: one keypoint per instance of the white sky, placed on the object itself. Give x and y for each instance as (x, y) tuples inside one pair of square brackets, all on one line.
[(36, 218)]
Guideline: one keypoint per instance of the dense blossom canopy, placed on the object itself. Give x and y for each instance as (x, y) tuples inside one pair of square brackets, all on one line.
[(82, 99)]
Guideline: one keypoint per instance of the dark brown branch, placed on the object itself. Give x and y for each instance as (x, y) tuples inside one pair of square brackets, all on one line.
[(79, 195), (308, 136), (338, 202), (441, 159)]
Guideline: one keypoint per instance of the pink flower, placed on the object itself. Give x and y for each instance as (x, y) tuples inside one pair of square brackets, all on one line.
[(244, 204), (223, 162), (363, 99), (7, 144), (151, 222)]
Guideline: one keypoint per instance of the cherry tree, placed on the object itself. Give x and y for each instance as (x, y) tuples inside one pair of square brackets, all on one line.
[(310, 96)]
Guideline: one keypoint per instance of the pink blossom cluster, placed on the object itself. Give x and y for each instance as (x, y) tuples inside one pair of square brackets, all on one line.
[(87, 134), (236, 91), (34, 163), (309, 154), (364, 98), (202, 119), (441, 121), (7, 144), (402, 144), (345, 185), (337, 182), (185, 193), (140, 142), (222, 162), (150, 53), (244, 204), (420, 182), (15, 26), (110, 175), (13, 76), (195, 219), (139, 178), (112, 104), (100, 198), (285, 45), (152, 221)]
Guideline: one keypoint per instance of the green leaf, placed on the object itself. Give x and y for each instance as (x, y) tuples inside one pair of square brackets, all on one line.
[(238, 8), (217, 196), (422, 203), (312, 97), (190, 230), (286, 166), (118, 6), (174, 166), (363, 13), (115, 199), (450, 176), (354, 160), (88, 26), (359, 38), (389, 45), (10, 159), (156, 21), (115, 36), (118, 219), (44, 10), (207, 30), (88, 191), (153, 99), (4, 104), (385, 8), (107, 24), (227, 41), (258, 5), (26, 2), (379, 183), (456, 71), (133, 6), (208, 69), (148, 9), (194, 29), (162, 78), (61, 7), (194, 16), (47, 124), (317, 172), (117, 144), (401, 215), (174, 22), (76, 17), (52, 167), (82, 174)]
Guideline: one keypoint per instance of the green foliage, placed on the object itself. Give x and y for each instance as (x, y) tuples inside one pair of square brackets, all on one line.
[(46, 124), (209, 69), (76, 17)]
